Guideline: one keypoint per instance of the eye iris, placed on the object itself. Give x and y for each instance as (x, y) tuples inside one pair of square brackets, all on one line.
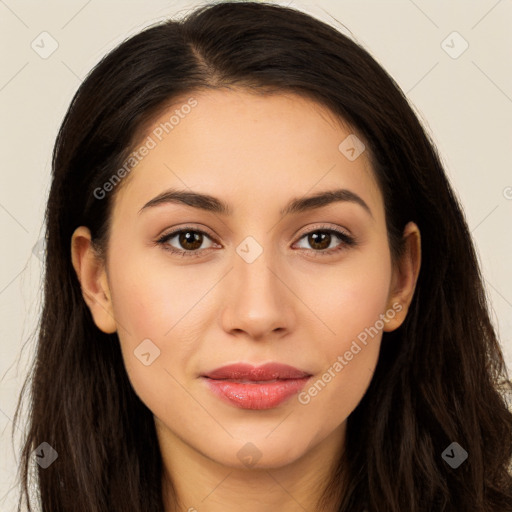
[(191, 237), (323, 236)]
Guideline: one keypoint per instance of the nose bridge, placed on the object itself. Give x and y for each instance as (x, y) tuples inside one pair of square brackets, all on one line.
[(258, 301), (254, 269)]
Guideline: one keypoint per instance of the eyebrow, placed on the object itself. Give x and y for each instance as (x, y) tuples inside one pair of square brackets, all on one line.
[(297, 205)]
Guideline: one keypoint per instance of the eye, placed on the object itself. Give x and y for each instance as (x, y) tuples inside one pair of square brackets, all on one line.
[(190, 239), (187, 241), (321, 240)]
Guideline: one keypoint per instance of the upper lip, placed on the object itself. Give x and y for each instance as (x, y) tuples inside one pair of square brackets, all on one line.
[(245, 371)]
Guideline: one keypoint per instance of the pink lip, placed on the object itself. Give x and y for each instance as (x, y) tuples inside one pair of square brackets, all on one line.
[(244, 371), (228, 384)]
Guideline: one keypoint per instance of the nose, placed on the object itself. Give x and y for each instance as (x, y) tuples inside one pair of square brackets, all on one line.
[(258, 300)]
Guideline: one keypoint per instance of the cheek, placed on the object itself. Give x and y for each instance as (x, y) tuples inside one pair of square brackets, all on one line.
[(159, 302), (151, 296), (351, 301), (350, 295)]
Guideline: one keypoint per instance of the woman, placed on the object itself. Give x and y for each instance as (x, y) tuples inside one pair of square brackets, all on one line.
[(261, 292)]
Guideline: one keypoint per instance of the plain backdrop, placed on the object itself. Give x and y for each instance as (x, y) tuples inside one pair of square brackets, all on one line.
[(452, 59)]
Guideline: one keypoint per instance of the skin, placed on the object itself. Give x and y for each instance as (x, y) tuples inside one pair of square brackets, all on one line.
[(256, 153)]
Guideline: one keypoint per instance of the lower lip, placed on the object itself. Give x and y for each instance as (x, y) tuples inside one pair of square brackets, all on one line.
[(255, 396)]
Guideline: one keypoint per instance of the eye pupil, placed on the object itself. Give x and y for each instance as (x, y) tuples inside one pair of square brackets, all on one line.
[(323, 236), (190, 237)]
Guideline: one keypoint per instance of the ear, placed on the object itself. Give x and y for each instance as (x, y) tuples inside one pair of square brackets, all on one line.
[(92, 275), (405, 276)]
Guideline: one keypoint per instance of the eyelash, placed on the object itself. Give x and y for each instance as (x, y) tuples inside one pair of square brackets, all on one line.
[(347, 240)]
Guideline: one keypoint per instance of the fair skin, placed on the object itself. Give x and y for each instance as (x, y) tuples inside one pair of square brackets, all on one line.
[(255, 153)]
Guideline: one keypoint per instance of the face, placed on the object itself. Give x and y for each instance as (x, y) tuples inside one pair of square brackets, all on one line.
[(313, 287)]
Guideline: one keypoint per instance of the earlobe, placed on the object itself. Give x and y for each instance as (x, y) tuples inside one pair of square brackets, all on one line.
[(92, 276), (405, 277)]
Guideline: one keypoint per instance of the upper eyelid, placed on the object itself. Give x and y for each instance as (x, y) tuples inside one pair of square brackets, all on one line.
[(175, 232)]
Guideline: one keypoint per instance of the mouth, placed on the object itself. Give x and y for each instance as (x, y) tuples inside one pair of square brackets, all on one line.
[(263, 373), (245, 386), (240, 381)]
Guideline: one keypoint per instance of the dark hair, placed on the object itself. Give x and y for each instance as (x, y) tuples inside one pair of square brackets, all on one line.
[(438, 375)]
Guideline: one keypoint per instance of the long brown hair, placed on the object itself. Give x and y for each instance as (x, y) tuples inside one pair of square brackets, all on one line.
[(437, 377)]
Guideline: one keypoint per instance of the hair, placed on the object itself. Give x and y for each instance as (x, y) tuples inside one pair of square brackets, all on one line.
[(438, 375)]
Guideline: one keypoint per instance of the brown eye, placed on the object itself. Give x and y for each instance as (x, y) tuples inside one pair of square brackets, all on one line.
[(190, 240), (185, 241), (321, 241)]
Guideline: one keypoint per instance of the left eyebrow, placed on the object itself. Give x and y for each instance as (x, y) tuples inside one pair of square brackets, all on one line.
[(320, 199), (297, 205)]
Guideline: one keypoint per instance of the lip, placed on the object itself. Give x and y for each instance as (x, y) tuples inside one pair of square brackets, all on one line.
[(249, 387), (245, 371)]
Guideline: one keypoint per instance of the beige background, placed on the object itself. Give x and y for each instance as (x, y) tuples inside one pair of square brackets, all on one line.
[(465, 102)]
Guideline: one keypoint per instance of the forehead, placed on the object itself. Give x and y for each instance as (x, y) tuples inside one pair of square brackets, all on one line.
[(248, 148)]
